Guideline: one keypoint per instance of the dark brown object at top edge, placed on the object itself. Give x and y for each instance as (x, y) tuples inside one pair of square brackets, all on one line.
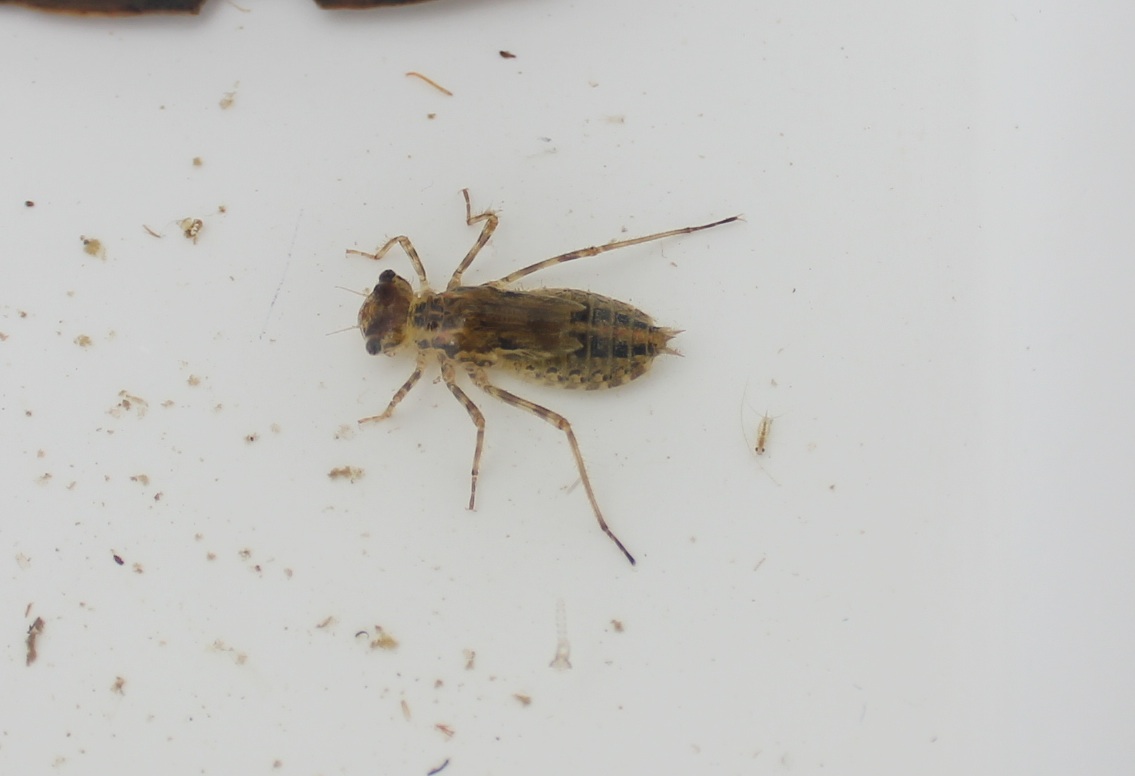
[(135, 7)]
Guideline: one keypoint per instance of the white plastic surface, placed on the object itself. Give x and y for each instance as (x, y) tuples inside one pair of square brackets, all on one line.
[(928, 571)]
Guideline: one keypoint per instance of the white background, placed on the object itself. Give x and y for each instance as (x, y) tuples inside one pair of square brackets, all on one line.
[(928, 571)]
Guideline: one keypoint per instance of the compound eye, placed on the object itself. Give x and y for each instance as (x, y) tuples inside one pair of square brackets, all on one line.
[(374, 347)]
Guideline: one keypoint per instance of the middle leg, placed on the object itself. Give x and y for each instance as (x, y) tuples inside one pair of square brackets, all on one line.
[(491, 220)]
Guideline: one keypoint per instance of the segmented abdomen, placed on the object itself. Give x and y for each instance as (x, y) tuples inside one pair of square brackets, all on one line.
[(611, 343)]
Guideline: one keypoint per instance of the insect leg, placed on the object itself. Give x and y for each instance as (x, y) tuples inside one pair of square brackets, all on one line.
[(447, 374), (407, 246), (481, 380), (597, 249), (401, 393), (491, 220)]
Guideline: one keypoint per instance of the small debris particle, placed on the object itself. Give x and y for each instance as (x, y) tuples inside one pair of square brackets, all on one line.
[(198, 161), (327, 622), (119, 684), (525, 700), (137, 568), (23, 561), (617, 625), (210, 556), (143, 479), (438, 769), (93, 247), (45, 478), (222, 208), (191, 227), (383, 640), (277, 764), (431, 82), (245, 554), (158, 496), (34, 630), (431, 116), (3, 336), (118, 559), (507, 54), (151, 232), (405, 710), (29, 203), (470, 658), (345, 432), (288, 573), (274, 428), (127, 402), (250, 438), (193, 380), (447, 731), (350, 473), (229, 98), (28, 608), (561, 662)]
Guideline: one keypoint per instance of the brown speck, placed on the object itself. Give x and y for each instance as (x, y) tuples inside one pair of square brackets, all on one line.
[(119, 685), (222, 208), (158, 496), (383, 640), (29, 203), (3, 337), (191, 227), (506, 54), (118, 559), (470, 658), (405, 709), (525, 700), (446, 730), (198, 161), (229, 98), (617, 625), (93, 247), (44, 478), (288, 573), (250, 438), (127, 402), (142, 479), (137, 568), (276, 763), (40, 453), (34, 630), (193, 380), (350, 473), (431, 116), (245, 554), (327, 622), (210, 556), (345, 432)]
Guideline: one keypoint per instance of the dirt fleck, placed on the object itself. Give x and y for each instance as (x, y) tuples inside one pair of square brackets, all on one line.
[(34, 630), (93, 247), (350, 473)]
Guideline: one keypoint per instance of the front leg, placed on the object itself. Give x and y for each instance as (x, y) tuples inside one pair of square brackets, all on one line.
[(400, 394)]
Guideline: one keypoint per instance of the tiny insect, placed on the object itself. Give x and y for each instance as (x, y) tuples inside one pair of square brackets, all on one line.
[(762, 433), (560, 337)]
